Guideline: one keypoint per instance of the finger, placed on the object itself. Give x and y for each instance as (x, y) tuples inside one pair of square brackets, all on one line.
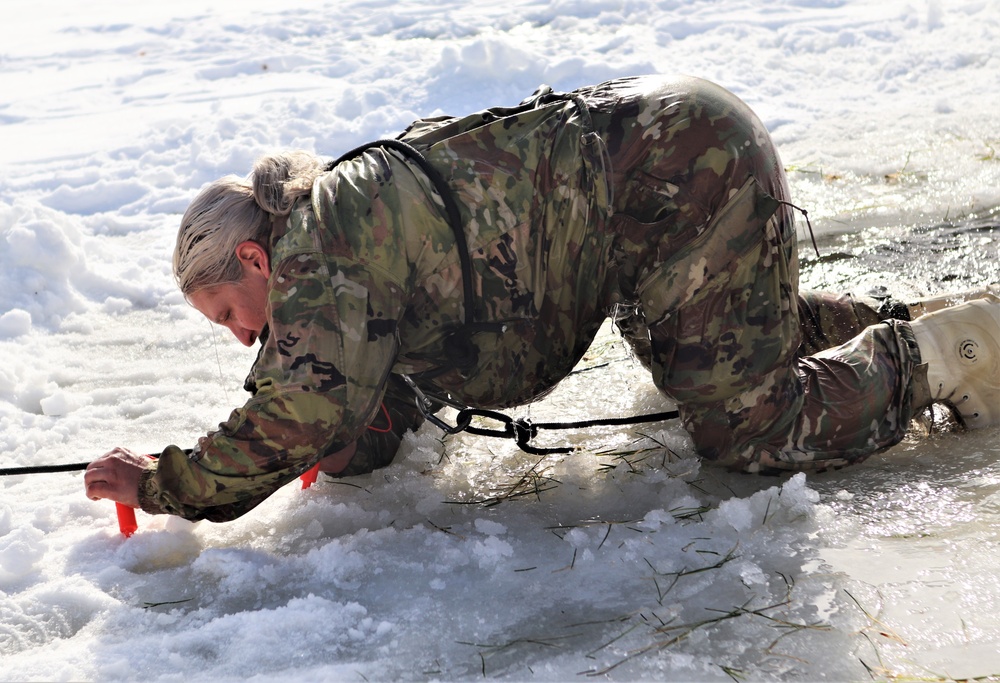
[(102, 490), (96, 490), (108, 459), (101, 462), (96, 484)]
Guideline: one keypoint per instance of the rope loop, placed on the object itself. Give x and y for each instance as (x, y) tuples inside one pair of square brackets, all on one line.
[(466, 414)]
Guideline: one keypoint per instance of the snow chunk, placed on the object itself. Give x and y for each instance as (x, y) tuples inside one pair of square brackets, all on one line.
[(490, 553), (40, 252), (578, 538), (490, 528), (63, 402), (14, 323), (20, 552), (737, 512)]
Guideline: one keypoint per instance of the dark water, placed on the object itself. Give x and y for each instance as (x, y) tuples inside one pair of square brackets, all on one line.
[(907, 260)]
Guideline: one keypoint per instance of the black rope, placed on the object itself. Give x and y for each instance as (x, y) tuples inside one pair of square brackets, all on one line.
[(523, 430), (52, 469), (43, 469), (805, 214)]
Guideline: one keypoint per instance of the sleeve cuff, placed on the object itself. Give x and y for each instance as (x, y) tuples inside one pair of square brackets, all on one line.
[(149, 493)]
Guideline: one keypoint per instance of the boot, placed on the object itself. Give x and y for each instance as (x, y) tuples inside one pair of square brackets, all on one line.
[(937, 303), (961, 348)]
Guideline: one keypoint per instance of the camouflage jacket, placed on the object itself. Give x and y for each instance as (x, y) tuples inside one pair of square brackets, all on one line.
[(367, 281)]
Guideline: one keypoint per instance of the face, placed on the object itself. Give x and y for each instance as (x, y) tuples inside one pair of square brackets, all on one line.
[(241, 307)]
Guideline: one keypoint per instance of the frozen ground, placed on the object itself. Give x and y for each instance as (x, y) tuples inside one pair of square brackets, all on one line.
[(467, 559)]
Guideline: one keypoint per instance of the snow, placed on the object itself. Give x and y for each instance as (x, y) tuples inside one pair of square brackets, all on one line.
[(464, 559)]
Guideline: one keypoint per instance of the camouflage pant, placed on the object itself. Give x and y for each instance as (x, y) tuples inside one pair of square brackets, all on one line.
[(705, 253)]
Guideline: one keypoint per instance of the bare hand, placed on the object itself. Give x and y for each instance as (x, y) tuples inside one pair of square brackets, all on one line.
[(115, 476)]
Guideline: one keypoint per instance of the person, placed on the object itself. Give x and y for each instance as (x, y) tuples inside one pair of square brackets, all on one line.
[(477, 256)]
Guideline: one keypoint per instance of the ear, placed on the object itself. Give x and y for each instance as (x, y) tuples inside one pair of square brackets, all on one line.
[(254, 257)]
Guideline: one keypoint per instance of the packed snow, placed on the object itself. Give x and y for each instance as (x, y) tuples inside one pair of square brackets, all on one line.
[(467, 559)]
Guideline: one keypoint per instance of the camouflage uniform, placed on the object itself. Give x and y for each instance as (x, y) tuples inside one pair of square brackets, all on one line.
[(655, 200)]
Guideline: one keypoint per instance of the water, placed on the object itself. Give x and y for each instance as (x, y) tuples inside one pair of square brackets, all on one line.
[(920, 260), (919, 522)]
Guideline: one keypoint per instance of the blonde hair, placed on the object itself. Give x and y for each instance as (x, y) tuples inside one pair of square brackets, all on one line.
[(232, 210)]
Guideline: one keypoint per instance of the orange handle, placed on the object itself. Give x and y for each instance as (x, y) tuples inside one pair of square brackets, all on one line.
[(309, 478), (126, 516), (126, 519)]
